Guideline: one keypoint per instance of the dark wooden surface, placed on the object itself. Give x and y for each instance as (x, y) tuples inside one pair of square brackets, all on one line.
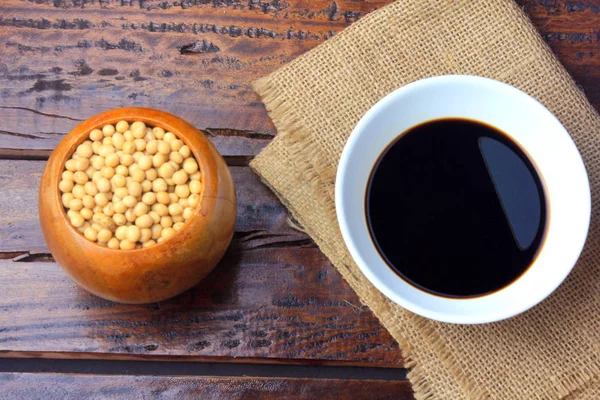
[(274, 298), (67, 387)]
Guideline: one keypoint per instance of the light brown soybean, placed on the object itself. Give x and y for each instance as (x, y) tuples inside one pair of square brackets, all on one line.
[(85, 150), (96, 135), (167, 233), (97, 209), (81, 164), (140, 144), (176, 157), (166, 222), (80, 177), (108, 130), (175, 166), (184, 203), (178, 226), (138, 129), (128, 136), (158, 132), (149, 198), (86, 213), (133, 233), (159, 185), (78, 191), (101, 199), (119, 219), (121, 232), (130, 215), (118, 141), (66, 186), (135, 189), (90, 171), (152, 147), (104, 235), (98, 162), (166, 171), (169, 136), (185, 151), (129, 201), (107, 141), (187, 213), (180, 177), (90, 234), (103, 185), (113, 243), (67, 175), (88, 201), (151, 174), (138, 175), (176, 145), (158, 159), (76, 204), (126, 245), (127, 160), (122, 126), (77, 220), (163, 147), (128, 148), (144, 221), (160, 209), (182, 191), (195, 186), (145, 234), (104, 151), (118, 181), (107, 172), (112, 160), (178, 218), (156, 231), (140, 209), (109, 209), (154, 215), (121, 192), (149, 243), (173, 198), (145, 162), (190, 166), (66, 198), (175, 209), (146, 186), (120, 207), (194, 200)]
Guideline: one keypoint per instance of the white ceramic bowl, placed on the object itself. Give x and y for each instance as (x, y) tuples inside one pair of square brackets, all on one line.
[(531, 126)]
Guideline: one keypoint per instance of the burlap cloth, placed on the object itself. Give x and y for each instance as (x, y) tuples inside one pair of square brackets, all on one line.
[(549, 352)]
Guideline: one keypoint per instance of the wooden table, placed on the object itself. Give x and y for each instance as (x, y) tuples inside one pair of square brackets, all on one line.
[(275, 318)]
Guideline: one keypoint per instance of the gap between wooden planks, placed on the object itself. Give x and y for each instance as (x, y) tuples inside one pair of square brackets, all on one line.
[(73, 386)]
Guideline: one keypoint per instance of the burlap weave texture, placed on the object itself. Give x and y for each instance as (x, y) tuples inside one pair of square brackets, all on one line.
[(549, 352)]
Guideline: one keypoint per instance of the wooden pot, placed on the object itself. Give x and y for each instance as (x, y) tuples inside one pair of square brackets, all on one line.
[(163, 270)]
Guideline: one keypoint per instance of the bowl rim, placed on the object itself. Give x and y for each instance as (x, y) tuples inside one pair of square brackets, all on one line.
[(149, 116), (444, 313)]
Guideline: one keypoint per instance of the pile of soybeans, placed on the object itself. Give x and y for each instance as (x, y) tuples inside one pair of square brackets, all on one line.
[(130, 185)]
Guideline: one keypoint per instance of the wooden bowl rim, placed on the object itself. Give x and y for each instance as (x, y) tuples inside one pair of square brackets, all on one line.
[(149, 116)]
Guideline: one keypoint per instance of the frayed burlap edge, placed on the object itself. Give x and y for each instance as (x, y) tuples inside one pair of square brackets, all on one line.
[(298, 142)]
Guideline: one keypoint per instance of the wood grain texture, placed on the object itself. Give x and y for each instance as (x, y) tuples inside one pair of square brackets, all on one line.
[(274, 295), (66, 60), (66, 387)]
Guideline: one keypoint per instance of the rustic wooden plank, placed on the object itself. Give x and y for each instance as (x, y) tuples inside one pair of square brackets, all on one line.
[(268, 304), (274, 296), (196, 59), (262, 219), (63, 61), (73, 386)]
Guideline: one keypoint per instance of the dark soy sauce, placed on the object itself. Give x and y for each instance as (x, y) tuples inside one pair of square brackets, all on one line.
[(456, 208)]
